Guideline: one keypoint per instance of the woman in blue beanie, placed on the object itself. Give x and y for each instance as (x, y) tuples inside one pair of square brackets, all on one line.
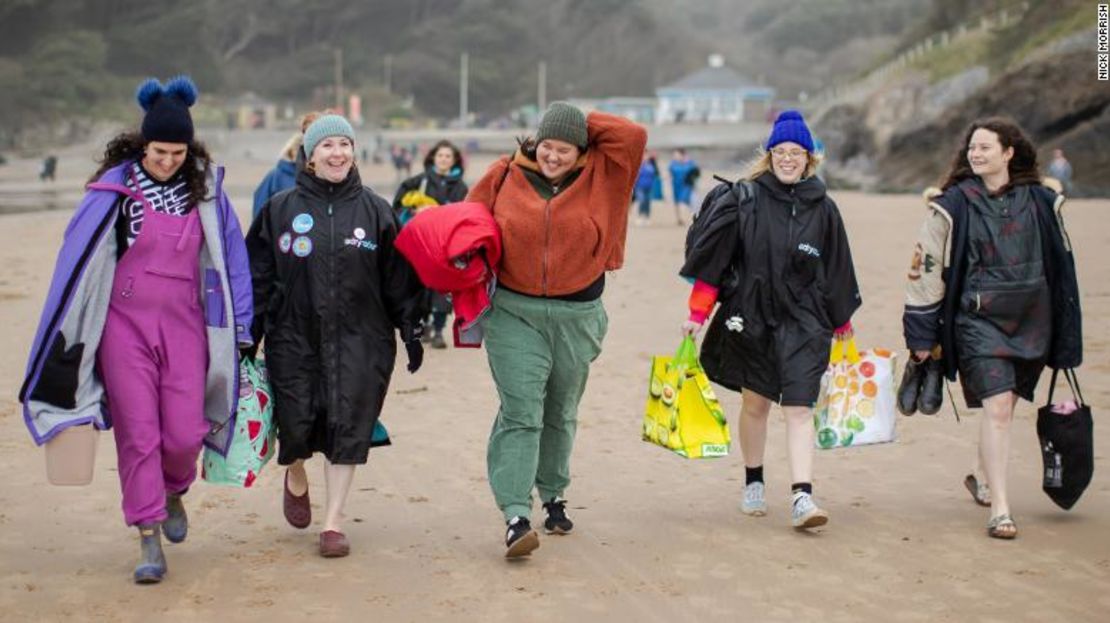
[(775, 255)]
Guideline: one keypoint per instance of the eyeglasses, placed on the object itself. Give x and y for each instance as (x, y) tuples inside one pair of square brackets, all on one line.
[(793, 154)]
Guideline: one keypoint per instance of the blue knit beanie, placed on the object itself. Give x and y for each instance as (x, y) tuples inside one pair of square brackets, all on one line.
[(167, 117), (790, 127), (323, 127)]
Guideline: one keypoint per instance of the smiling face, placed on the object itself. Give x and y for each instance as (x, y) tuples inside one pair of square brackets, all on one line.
[(788, 162), (444, 160), (986, 155), (556, 158), (163, 160), (332, 158)]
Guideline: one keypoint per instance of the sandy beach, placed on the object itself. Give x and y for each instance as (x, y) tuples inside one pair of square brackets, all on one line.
[(658, 538)]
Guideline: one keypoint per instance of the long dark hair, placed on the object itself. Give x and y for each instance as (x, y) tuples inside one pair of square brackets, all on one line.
[(1022, 167), (130, 145), (430, 157)]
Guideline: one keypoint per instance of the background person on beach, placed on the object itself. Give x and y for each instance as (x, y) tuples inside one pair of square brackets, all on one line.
[(563, 193), (647, 182), (1060, 169), (49, 166), (330, 291), (163, 341), (284, 174), (440, 183), (993, 284), (684, 176), (795, 289)]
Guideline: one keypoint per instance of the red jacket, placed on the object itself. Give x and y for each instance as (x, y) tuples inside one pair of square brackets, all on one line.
[(446, 245)]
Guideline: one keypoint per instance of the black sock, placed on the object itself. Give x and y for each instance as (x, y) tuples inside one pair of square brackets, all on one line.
[(805, 487), (753, 474)]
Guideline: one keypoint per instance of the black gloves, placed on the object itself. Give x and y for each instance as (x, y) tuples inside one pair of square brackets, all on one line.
[(415, 352)]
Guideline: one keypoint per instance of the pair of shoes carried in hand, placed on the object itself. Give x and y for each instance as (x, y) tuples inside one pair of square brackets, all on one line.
[(920, 389)]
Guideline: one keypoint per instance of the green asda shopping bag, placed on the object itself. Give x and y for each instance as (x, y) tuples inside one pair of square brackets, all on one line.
[(682, 412), (255, 435)]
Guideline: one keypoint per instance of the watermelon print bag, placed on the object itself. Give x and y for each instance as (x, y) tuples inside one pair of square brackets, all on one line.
[(255, 436)]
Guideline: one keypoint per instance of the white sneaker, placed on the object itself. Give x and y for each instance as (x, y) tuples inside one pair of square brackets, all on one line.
[(753, 503), (805, 513)]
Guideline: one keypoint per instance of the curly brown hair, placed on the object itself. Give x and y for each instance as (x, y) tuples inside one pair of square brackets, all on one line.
[(1022, 167), (130, 146)]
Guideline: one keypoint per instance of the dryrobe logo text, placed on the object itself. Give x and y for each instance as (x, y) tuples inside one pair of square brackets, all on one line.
[(1102, 37)]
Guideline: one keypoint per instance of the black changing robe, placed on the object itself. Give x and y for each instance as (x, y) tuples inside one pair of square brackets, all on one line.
[(797, 283), (329, 291)]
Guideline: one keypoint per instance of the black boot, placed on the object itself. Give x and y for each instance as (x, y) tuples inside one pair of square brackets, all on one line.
[(931, 397), (176, 526), (152, 563), (910, 386)]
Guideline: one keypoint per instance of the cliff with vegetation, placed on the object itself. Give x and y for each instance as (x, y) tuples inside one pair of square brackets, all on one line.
[(899, 128)]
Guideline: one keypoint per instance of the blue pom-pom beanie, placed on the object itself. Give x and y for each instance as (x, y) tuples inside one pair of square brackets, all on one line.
[(167, 116), (790, 127), (323, 127)]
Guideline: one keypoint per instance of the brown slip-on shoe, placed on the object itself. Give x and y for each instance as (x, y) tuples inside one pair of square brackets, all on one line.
[(298, 511), (334, 544)]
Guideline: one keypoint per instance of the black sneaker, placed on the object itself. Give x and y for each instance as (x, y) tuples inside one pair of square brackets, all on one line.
[(521, 539), (557, 521), (931, 397), (910, 387)]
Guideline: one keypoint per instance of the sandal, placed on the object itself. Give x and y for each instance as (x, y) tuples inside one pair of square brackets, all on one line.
[(1002, 527), (980, 492)]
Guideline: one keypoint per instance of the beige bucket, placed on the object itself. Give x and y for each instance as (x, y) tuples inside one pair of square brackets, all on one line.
[(70, 456)]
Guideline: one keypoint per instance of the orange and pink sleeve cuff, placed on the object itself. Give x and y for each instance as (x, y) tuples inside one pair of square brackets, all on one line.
[(702, 299)]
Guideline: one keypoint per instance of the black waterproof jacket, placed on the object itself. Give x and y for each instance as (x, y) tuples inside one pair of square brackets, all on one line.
[(329, 292), (790, 250)]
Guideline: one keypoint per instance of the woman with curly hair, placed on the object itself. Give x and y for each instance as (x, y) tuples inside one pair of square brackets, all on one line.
[(150, 300), (992, 292)]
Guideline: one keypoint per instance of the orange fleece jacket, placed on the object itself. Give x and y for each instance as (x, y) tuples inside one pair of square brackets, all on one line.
[(559, 246)]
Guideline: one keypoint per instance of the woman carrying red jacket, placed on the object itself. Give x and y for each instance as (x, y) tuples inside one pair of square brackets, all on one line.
[(561, 202)]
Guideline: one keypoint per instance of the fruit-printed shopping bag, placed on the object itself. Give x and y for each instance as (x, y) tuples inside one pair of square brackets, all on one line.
[(856, 404), (255, 435), (682, 412)]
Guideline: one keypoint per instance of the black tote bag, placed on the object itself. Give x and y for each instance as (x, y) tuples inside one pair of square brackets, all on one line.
[(1066, 434)]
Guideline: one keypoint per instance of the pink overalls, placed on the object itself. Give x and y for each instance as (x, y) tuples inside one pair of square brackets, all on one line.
[(153, 358)]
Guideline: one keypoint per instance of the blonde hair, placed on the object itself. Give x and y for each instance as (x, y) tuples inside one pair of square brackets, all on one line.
[(308, 118), (762, 164), (289, 152)]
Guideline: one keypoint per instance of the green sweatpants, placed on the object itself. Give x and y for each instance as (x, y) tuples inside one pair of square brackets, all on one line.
[(539, 352)]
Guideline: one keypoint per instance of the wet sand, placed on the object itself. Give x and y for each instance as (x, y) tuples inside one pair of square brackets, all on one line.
[(657, 537)]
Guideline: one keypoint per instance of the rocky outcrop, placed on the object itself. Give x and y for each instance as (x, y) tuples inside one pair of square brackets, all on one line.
[(904, 136), (1053, 99)]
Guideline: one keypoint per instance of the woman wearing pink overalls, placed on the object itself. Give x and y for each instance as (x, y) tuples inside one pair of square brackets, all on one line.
[(150, 301)]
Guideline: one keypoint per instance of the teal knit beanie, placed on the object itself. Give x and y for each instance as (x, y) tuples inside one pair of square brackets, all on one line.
[(563, 122), (325, 126)]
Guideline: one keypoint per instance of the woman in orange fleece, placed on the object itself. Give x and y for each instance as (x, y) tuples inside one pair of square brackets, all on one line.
[(561, 202)]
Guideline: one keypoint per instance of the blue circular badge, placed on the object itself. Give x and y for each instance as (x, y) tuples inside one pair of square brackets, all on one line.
[(302, 223), (285, 242), (302, 246)]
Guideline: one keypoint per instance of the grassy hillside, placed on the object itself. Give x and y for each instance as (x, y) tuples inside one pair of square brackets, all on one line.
[(66, 59)]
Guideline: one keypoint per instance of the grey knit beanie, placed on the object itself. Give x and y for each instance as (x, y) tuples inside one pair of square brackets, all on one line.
[(564, 122), (325, 126)]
